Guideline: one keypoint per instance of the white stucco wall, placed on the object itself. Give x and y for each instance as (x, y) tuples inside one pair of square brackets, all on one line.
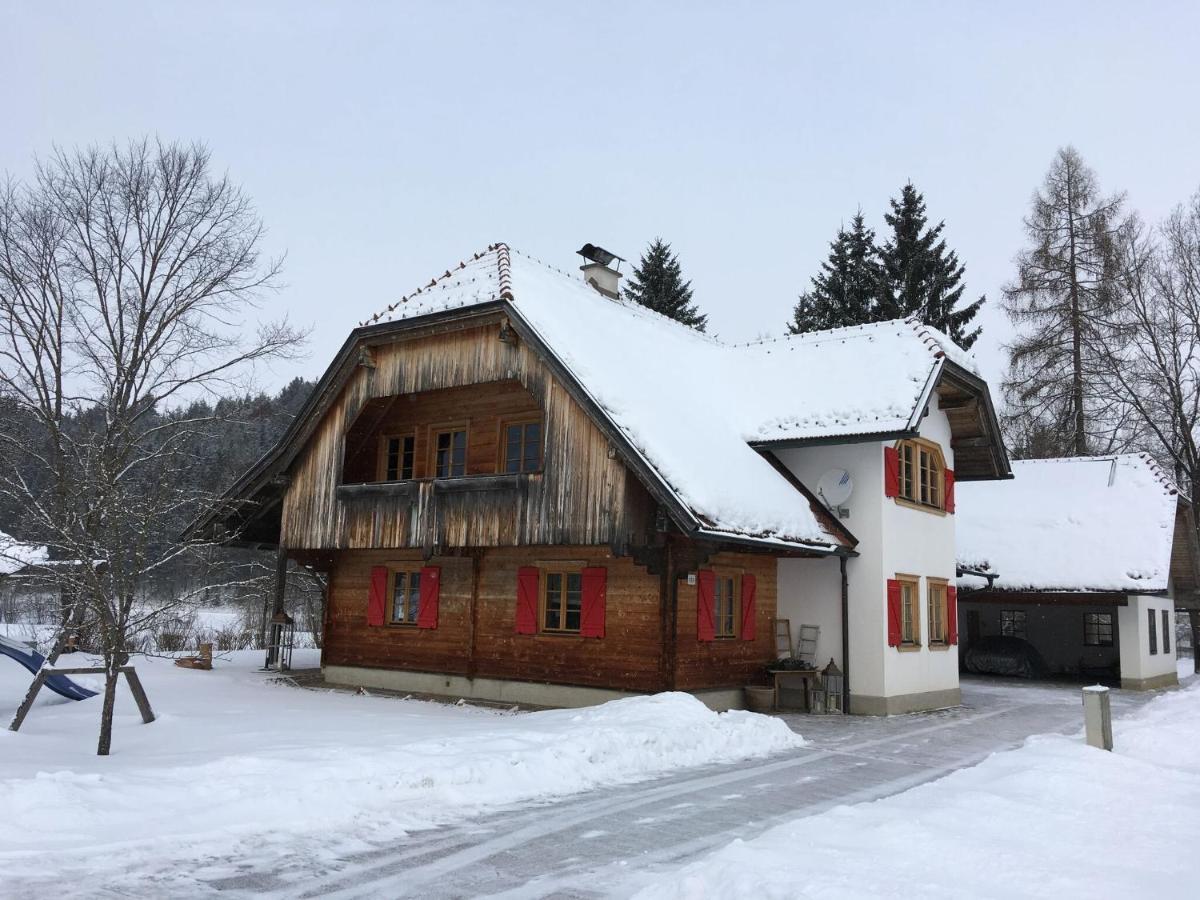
[(810, 593), (1137, 663), (892, 539)]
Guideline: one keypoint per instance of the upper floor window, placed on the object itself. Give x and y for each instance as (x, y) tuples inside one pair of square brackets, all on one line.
[(450, 453), (910, 621), (522, 447), (398, 457), (915, 472), (937, 611)]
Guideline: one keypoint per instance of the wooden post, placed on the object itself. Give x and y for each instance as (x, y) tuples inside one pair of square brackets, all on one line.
[(27, 703), (274, 632), (845, 636), (1194, 621), (1097, 717), (139, 694)]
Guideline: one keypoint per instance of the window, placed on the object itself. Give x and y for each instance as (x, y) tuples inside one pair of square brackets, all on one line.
[(1012, 623), (1166, 631), (922, 473), (1098, 629), (725, 606), (522, 447), (1152, 620), (562, 604), (406, 596), (398, 455), (910, 615), (450, 453), (937, 611)]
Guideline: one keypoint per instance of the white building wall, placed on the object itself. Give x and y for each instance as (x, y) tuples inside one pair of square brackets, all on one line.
[(892, 539), (1140, 669)]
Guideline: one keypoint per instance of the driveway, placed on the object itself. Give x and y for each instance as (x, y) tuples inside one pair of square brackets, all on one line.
[(604, 844)]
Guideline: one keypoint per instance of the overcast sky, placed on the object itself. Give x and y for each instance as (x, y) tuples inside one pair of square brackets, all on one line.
[(382, 143)]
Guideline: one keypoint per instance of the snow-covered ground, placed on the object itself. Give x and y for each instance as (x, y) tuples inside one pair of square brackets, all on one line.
[(1052, 819), (239, 767)]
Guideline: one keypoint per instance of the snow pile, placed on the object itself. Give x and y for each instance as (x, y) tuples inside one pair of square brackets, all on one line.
[(1081, 524), (235, 761), (15, 556), (696, 434), (1053, 819)]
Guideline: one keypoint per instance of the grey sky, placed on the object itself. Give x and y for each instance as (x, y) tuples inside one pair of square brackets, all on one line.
[(384, 142)]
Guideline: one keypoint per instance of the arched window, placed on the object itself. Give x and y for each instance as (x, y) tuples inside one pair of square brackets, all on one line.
[(922, 473)]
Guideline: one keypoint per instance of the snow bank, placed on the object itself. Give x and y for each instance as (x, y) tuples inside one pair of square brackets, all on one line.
[(1053, 819), (234, 761), (15, 556)]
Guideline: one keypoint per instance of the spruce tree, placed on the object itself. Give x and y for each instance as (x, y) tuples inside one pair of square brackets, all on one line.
[(847, 290), (922, 276), (657, 283)]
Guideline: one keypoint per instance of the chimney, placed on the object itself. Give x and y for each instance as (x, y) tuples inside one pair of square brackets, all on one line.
[(599, 270)]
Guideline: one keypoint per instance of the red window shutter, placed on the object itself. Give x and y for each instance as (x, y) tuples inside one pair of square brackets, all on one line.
[(749, 608), (377, 598), (893, 612), (706, 588), (952, 614), (949, 490), (891, 472), (595, 590), (431, 591), (528, 580)]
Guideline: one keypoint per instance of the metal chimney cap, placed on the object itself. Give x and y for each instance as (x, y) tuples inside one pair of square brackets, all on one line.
[(598, 254)]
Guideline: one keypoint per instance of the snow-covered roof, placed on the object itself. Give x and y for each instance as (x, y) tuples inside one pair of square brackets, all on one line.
[(691, 404), (1076, 524), (15, 555)]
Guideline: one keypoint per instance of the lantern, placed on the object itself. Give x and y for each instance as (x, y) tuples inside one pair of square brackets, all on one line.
[(832, 679), (281, 639)]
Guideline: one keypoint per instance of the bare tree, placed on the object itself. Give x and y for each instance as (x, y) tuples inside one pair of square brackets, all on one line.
[(125, 277), (1151, 348), (1064, 291)]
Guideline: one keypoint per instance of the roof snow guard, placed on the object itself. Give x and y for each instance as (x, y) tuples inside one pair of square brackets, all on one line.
[(1090, 523)]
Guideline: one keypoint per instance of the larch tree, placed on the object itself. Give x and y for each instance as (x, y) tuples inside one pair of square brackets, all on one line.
[(126, 276), (922, 277), (657, 283), (1060, 303), (849, 288)]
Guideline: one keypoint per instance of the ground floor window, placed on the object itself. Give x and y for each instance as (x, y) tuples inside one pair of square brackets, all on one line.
[(725, 606), (1152, 621), (406, 596), (1012, 623), (1098, 629), (937, 611), (562, 602), (1166, 631), (910, 614)]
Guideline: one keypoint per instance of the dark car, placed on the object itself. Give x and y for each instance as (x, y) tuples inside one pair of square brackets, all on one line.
[(1004, 655)]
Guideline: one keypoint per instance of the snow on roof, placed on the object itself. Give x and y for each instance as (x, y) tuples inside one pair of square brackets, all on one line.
[(1077, 524), (690, 403), (15, 555)]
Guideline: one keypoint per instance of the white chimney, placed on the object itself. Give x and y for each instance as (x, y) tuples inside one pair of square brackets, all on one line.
[(599, 270)]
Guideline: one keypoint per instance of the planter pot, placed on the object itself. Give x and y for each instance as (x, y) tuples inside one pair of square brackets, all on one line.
[(760, 699)]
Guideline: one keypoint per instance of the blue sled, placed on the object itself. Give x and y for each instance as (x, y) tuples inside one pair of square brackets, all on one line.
[(32, 660)]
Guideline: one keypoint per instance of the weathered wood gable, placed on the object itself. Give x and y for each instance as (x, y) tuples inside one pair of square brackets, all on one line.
[(584, 495)]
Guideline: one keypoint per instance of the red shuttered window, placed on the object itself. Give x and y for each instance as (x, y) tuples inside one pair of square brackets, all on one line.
[(891, 472), (893, 612), (950, 490), (528, 578), (706, 585), (430, 597), (595, 590), (749, 608), (952, 614)]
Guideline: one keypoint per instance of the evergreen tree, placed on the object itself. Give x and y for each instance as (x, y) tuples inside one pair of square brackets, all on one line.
[(657, 283), (847, 290), (1061, 303), (922, 276)]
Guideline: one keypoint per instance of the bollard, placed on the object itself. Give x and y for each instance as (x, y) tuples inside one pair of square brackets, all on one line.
[(1097, 717)]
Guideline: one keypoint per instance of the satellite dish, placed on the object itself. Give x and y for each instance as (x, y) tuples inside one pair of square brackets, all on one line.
[(835, 487)]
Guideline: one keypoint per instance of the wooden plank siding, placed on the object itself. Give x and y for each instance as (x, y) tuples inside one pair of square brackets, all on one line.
[(584, 495), (476, 634)]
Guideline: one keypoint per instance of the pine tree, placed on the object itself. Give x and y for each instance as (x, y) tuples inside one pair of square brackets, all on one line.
[(657, 283), (847, 290), (1061, 301), (922, 276)]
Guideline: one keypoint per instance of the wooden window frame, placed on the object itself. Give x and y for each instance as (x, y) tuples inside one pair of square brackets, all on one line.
[(449, 427), (914, 581), (735, 600), (408, 570), (381, 469), (502, 443), (933, 586), (1024, 623), (565, 570), (1099, 640), (909, 485)]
